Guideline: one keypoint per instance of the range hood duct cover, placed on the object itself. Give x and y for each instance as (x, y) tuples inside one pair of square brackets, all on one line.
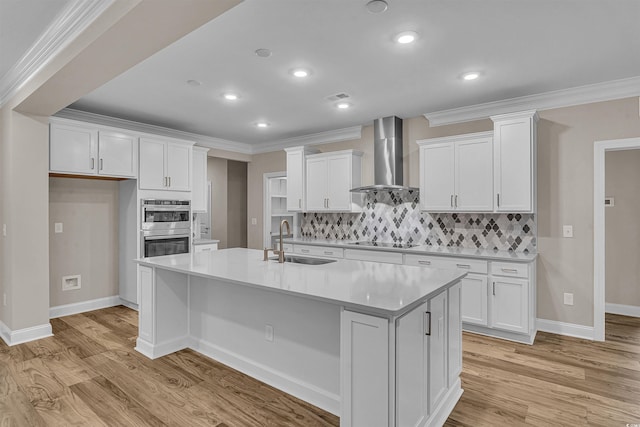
[(387, 156)]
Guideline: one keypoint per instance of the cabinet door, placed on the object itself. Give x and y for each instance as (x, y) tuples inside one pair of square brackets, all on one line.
[(316, 184), (295, 181), (339, 183), (72, 149), (474, 175), (146, 303), (117, 154), (411, 374), (199, 181), (509, 305), (437, 345), (474, 299), (179, 166), (364, 370), (454, 326), (437, 177), (152, 165), (513, 165)]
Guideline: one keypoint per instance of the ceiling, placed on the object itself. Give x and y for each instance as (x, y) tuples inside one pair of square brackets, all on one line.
[(520, 48), (21, 24)]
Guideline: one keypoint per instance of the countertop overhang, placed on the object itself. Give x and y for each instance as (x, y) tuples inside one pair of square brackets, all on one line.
[(376, 288)]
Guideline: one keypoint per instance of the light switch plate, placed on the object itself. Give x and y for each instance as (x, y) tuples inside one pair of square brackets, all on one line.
[(567, 231), (568, 299), (58, 227), (254, 221), (268, 333), (4, 230)]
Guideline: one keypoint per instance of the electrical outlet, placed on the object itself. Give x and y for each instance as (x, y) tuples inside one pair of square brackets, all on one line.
[(58, 227), (568, 299), (567, 231), (4, 230), (268, 333), (254, 221), (4, 299)]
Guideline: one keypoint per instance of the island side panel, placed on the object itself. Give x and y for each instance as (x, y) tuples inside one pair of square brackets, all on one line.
[(229, 322), (163, 312)]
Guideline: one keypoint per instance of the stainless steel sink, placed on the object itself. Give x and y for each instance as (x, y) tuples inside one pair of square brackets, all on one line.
[(304, 260)]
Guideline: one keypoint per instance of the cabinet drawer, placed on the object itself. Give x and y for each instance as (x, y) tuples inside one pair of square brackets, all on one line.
[(205, 248), (375, 256), (318, 251), (510, 269), (470, 265)]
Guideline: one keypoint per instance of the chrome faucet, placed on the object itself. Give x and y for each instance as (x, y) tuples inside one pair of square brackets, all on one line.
[(280, 252)]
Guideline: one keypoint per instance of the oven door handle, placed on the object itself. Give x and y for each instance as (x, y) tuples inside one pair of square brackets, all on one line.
[(165, 237), (167, 208)]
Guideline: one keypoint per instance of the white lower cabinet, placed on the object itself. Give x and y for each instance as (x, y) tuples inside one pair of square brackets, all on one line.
[(209, 247), (425, 370), (498, 297), (320, 251), (510, 304)]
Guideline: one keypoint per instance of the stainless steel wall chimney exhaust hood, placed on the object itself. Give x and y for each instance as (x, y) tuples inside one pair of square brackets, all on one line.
[(387, 156)]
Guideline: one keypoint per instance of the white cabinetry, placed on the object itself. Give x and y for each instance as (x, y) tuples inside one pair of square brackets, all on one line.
[(329, 179), (456, 173), (165, 164), (209, 247), (83, 149), (296, 175), (498, 298), (423, 372), (515, 161), (199, 186)]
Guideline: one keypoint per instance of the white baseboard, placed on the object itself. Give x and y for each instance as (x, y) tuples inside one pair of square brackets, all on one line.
[(129, 304), (21, 336), (84, 306), (444, 409), (568, 329), (321, 398), (162, 349), (623, 310)]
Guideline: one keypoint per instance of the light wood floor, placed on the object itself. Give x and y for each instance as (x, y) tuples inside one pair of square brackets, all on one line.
[(88, 374)]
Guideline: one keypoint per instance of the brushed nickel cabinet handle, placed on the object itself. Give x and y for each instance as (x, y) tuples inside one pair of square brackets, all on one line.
[(451, 200), (328, 252), (498, 199), (101, 164), (423, 262), (509, 270), (304, 251), (93, 163), (300, 203), (169, 181), (456, 201), (463, 266), (494, 288)]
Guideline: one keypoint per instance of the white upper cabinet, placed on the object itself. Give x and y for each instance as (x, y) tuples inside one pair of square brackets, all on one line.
[(84, 149), (456, 173), (296, 178), (199, 180), (165, 164), (515, 161), (329, 179)]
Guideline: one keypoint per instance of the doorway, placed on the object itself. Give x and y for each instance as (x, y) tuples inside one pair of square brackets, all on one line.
[(599, 227)]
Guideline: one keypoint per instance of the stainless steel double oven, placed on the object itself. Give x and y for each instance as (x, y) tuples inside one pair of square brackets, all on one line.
[(165, 227)]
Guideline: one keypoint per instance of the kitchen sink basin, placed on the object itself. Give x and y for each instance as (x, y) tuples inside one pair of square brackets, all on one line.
[(304, 260)]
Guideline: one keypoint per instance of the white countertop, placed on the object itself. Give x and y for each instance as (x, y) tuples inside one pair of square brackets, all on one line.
[(204, 241), (488, 254), (380, 288)]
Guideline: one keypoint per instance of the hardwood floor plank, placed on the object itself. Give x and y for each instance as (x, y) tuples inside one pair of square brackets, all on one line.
[(113, 405), (79, 344), (16, 410), (67, 410)]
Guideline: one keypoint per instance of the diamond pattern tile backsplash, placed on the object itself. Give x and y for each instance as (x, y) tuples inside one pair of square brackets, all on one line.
[(396, 217)]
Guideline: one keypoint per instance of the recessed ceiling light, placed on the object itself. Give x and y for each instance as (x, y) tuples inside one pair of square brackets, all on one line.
[(343, 105), (263, 53), (193, 83), (300, 72), (377, 6), (230, 96), (406, 37), (262, 125), (471, 75)]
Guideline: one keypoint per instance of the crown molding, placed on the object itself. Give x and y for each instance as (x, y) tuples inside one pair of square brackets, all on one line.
[(68, 24), (338, 135), (606, 91), (201, 140)]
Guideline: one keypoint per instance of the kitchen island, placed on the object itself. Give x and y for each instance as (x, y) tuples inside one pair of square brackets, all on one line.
[(377, 344)]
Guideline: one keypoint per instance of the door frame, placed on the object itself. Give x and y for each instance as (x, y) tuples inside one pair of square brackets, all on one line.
[(600, 149)]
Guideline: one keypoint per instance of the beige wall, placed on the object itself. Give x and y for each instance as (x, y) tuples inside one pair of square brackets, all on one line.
[(88, 245), (217, 173), (622, 230), (260, 164), (236, 204)]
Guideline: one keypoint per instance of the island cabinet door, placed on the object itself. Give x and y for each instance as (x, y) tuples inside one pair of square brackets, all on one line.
[(454, 327), (364, 370), (145, 299), (437, 334), (411, 373)]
